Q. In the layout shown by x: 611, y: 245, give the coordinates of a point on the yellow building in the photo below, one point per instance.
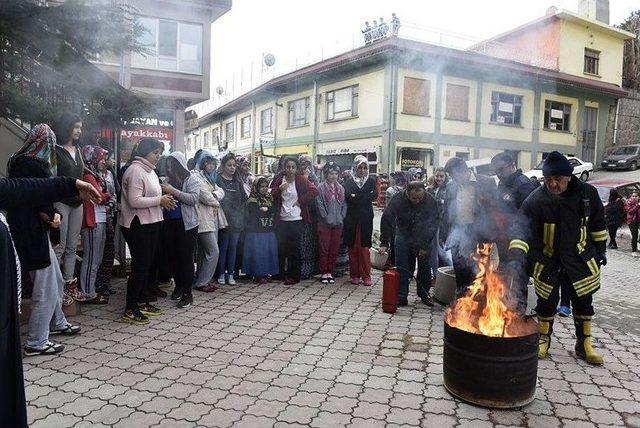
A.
x: 404, y: 103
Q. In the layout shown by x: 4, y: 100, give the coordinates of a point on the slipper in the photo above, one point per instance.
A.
x: 325, y: 280
x: 98, y: 300
x: 331, y: 280
x: 67, y: 330
x: 50, y: 348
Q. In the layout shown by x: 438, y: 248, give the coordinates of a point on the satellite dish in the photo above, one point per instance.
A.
x: 269, y: 60
x: 219, y: 90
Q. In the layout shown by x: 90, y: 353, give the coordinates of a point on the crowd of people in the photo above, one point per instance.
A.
x: 200, y: 223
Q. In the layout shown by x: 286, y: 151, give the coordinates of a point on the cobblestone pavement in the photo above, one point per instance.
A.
x: 313, y: 355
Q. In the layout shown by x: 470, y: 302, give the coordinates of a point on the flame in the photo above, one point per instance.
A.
x: 484, y: 308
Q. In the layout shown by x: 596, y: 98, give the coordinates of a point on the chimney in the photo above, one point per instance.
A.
x: 594, y: 9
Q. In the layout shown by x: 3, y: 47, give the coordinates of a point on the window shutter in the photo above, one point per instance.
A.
x: 457, y: 100
x: 416, y: 96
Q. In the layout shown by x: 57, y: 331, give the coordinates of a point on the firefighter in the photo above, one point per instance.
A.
x: 565, y: 241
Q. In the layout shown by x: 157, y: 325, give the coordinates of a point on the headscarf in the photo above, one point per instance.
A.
x: 201, y: 159
x: 40, y: 143
x: 329, y: 191
x: 312, y: 175
x: 357, y: 161
x: 92, y: 156
x: 256, y: 197
x: 401, y: 178
x: 413, y: 172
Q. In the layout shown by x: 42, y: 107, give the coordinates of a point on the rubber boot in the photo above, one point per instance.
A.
x: 584, y: 349
x: 546, y: 328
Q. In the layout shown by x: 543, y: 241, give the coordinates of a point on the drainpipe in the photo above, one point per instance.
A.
x: 315, y: 122
x: 615, y: 123
x: 392, y: 114
x: 253, y: 136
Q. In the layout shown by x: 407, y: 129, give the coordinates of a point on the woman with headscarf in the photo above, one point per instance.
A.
x: 292, y: 194
x: 30, y: 229
x: 94, y: 225
x: 209, y: 213
x: 244, y: 174
x: 342, y: 259
x: 260, y: 255
x: 140, y: 219
x: 309, y: 249
x: 360, y: 192
x: 332, y: 208
x: 68, y: 131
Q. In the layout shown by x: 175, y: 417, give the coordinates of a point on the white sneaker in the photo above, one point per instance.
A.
x: 230, y: 280
x: 635, y: 254
x: 221, y: 280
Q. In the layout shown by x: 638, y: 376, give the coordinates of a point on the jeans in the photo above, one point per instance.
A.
x: 70, y: 226
x: 182, y: 242
x: 329, y: 239
x: 289, y: 235
x: 142, y: 240
x: 581, y: 305
x: 633, y: 227
x: 105, y: 271
x: 405, y: 253
x: 208, y: 253
x: 92, y: 250
x: 228, y: 243
x: 46, y: 302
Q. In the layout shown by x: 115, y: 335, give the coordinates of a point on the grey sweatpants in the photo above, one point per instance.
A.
x: 92, y: 251
x: 46, y: 303
x: 208, y: 253
x: 70, y: 226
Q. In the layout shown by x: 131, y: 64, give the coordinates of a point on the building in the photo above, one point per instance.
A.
x: 174, y: 73
x: 405, y: 103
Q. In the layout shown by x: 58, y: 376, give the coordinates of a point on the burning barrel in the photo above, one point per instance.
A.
x: 490, y: 350
x: 489, y: 371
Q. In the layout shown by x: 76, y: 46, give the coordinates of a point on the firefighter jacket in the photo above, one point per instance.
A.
x: 563, y: 233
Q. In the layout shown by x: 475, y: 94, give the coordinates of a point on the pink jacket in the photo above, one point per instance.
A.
x: 632, y: 208
x: 141, y: 194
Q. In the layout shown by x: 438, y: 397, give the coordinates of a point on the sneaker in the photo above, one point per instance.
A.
x: 185, y: 302
x: 176, y: 294
x: 71, y: 288
x: 50, y: 348
x: 221, y: 280
x: 427, y: 300
x: 331, y: 280
x: 67, y: 300
x: 209, y: 288
x: 635, y: 254
x: 231, y: 280
x: 135, y: 317
x: 367, y: 282
x: 402, y: 301
x: 150, y: 310
x: 67, y: 330
x: 564, y: 311
x: 156, y: 291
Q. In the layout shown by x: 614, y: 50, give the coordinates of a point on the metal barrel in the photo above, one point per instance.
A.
x: 496, y: 372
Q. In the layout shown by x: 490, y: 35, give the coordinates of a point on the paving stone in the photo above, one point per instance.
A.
x: 160, y: 404
x: 327, y: 419
x: 220, y: 418
x: 267, y: 408
x: 371, y: 410
x: 404, y: 416
x: 431, y: 420
x: 366, y: 423
x: 56, y: 420
x: 82, y: 406
x: 108, y: 414
x: 236, y: 402
x: 297, y: 414
x: 55, y: 400
x: 132, y: 398
x: 139, y: 419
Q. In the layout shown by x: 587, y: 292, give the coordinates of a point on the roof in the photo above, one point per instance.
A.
x: 395, y: 44
x: 555, y: 15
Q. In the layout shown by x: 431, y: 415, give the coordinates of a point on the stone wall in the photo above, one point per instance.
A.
x: 628, y: 121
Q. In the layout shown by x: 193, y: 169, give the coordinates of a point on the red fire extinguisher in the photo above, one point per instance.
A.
x: 390, y: 290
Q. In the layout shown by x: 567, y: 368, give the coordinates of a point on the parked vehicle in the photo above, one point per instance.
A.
x: 624, y: 157
x: 624, y: 187
x: 581, y: 169
x: 483, y: 167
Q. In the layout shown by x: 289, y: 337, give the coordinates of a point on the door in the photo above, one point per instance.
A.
x: 589, y: 126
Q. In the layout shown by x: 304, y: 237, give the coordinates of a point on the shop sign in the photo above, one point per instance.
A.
x: 347, y: 151
x: 412, y: 158
x: 135, y: 134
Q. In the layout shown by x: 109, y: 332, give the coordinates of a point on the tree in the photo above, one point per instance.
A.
x: 45, y: 49
x: 631, y: 64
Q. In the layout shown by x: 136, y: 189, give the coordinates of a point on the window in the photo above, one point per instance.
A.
x: 245, y: 127
x: 463, y: 155
x: 556, y: 115
x: 298, y: 112
x: 265, y: 121
x: 457, y: 107
x: 195, y: 142
x: 506, y: 108
x: 229, y: 131
x: 215, y: 137
x: 342, y: 103
x: 416, y: 96
x: 574, y: 163
x: 591, y: 61
x: 207, y: 141
x: 170, y: 45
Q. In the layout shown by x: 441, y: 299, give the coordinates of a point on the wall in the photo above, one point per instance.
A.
x: 575, y: 38
x: 628, y: 121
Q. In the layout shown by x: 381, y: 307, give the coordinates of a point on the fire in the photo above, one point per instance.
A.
x: 484, y: 309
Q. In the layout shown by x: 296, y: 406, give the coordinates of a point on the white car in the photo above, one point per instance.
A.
x: 581, y: 169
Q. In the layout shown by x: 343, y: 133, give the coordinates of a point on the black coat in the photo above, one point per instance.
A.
x: 27, y: 228
x: 513, y: 190
x: 417, y: 223
x: 18, y: 194
x: 614, y: 213
x: 359, y: 211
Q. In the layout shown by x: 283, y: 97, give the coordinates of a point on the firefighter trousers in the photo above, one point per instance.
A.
x: 581, y: 305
